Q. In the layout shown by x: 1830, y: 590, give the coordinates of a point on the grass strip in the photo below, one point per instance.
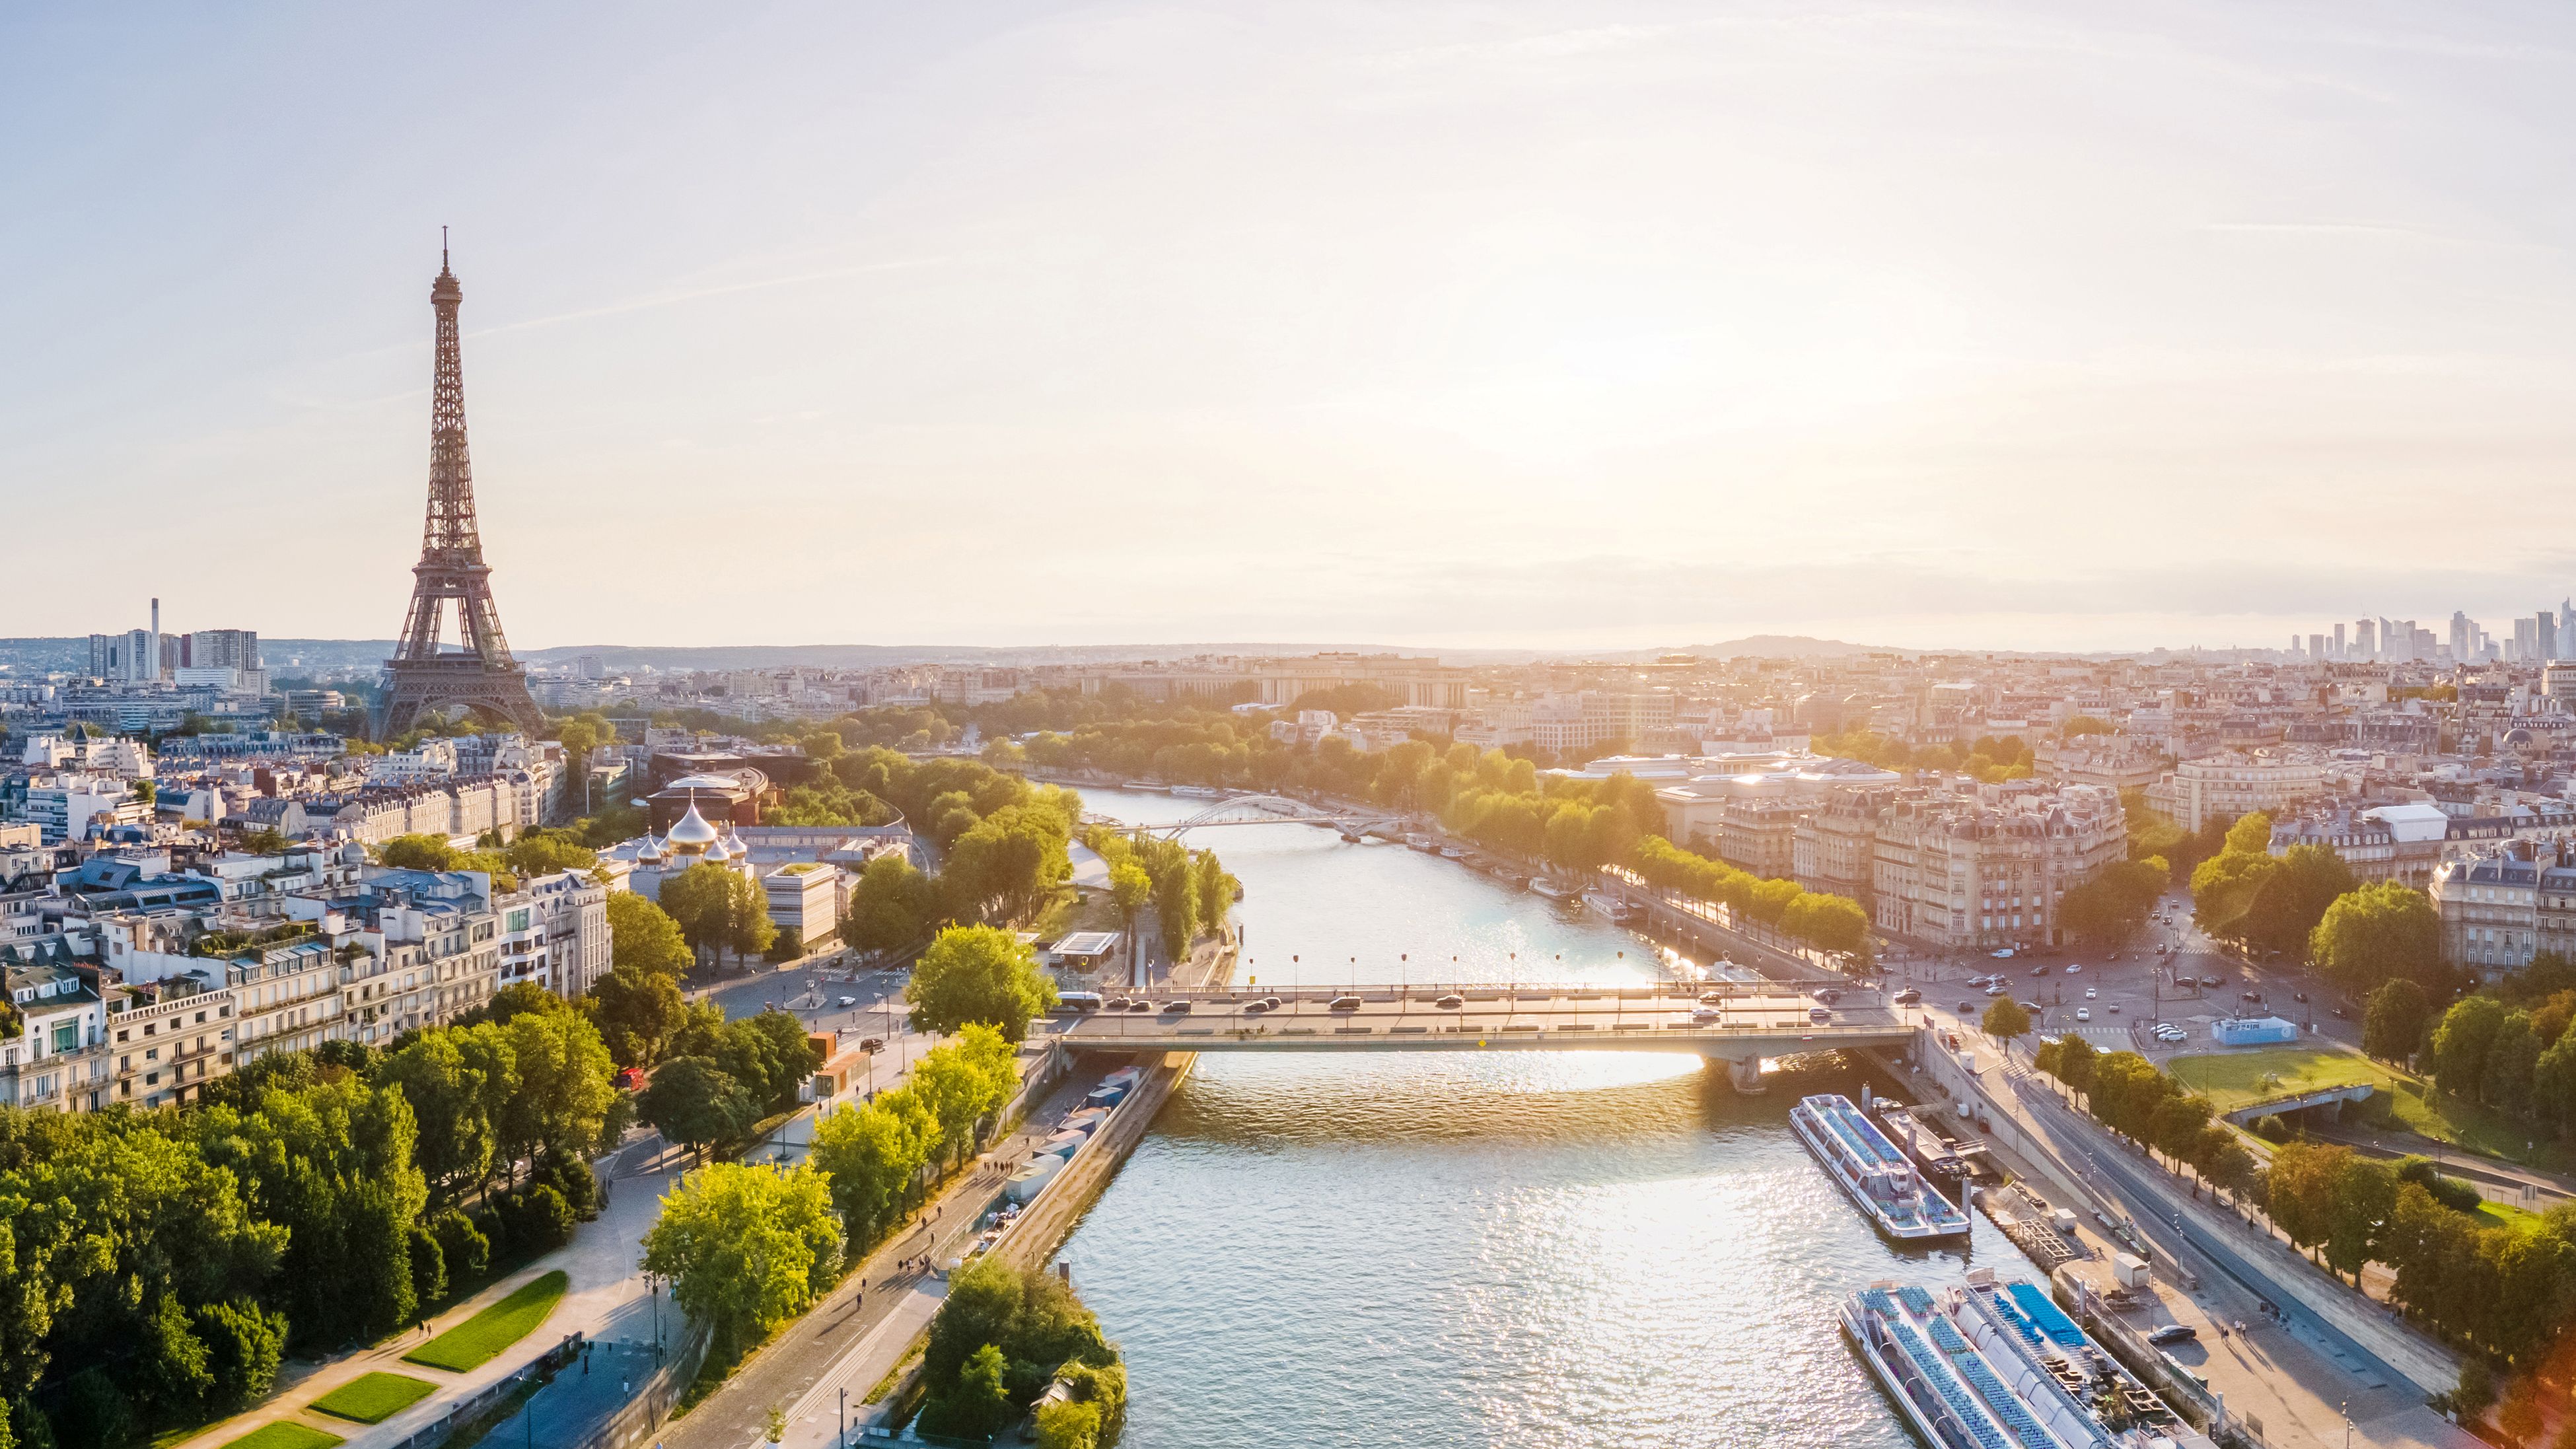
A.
x: 374, y: 1398
x: 285, y: 1435
x: 474, y: 1342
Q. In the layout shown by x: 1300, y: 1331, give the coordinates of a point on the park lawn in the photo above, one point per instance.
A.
x: 285, y: 1435
x: 2505, y: 1215
x: 374, y: 1398
x: 2235, y: 1079
x: 477, y: 1339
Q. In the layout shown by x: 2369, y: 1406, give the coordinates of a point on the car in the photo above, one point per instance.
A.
x: 1344, y: 1003
x: 2074, y: 968
x: 2039, y: 970
x: 1271, y: 1003
x: 2253, y: 996
x: 2339, y: 1011
x: 1255, y: 1008
x: 2300, y: 997
x: 2162, y: 948
x: 849, y: 1001
x: 1176, y: 1008
x: 1995, y: 990
x: 1116, y: 1003
x: 872, y: 1044
x: 1829, y: 996
x: 1908, y: 997
x: 1967, y: 1008
x: 1706, y: 1013
x: 2033, y: 1007
x: 2174, y: 1333
x: 1451, y: 1002
x: 2088, y: 993
x: 1140, y: 1004
x: 2113, y: 1008
x: 2005, y: 954
x: 2114, y: 956
x: 2211, y: 981
x: 1819, y: 1015
x: 2083, y: 1013
x: 1712, y: 996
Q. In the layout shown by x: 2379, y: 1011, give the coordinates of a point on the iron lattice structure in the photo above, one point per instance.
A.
x: 422, y: 676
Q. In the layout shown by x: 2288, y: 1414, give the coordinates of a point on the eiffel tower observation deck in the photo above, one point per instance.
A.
x: 424, y: 676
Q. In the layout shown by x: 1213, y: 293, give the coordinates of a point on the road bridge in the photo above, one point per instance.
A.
x: 1741, y: 1023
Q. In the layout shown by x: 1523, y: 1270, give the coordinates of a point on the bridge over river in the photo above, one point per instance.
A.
x: 1741, y: 1023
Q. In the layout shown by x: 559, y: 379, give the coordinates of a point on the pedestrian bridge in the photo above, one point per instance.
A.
x: 1279, y: 810
x: 1741, y: 1023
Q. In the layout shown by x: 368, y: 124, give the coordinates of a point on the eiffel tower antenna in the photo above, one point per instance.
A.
x: 422, y: 676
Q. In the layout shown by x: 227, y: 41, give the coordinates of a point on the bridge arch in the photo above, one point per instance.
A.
x: 1275, y: 810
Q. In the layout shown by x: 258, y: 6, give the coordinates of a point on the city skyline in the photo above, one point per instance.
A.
x: 1980, y: 326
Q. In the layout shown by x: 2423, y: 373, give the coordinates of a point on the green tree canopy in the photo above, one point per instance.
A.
x: 2377, y: 933
x: 892, y: 905
x: 697, y: 1104
x: 643, y: 937
x: 978, y: 974
x: 2392, y: 1028
x: 2005, y: 1020
x: 746, y: 1247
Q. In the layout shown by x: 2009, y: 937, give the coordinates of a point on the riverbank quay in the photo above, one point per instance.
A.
x: 2274, y: 1383
x: 2311, y: 1350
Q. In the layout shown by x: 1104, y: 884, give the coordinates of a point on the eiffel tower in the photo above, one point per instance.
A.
x: 481, y: 676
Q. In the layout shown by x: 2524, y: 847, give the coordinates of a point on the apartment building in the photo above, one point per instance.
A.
x: 1985, y: 866
x: 2225, y: 786
x: 2502, y: 905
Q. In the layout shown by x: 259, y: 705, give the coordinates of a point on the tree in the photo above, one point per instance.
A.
x: 636, y: 1011
x: 548, y: 852
x: 2378, y: 933
x: 978, y: 974
x: 451, y: 1098
x: 561, y: 1109
x: 2299, y: 1191
x: 2461, y: 1041
x: 962, y: 1082
x: 746, y: 1247
x: 696, y: 1104
x: 1129, y: 890
x: 891, y: 906
x: 2511, y: 1058
x: 873, y: 1152
x: 718, y: 908
x: 2392, y: 1028
x: 2005, y: 1020
x: 1066, y: 1424
x: 2112, y: 906
x: 643, y: 937
x: 1215, y: 889
x: 976, y: 1405
x: 2290, y: 899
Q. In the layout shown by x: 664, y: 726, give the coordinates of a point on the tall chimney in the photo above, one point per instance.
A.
x: 156, y: 618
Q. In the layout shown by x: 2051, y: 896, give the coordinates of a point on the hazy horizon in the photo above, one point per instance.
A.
x: 1548, y: 326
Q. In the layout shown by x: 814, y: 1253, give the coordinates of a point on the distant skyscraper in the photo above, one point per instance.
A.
x: 2544, y: 635
x: 2338, y: 641
x: 2317, y: 648
x: 2464, y: 636
x: 2365, y: 639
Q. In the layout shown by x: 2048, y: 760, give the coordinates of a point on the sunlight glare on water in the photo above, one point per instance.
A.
x: 1571, y: 1249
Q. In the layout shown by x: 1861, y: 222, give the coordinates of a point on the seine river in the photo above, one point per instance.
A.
x: 1537, y: 1249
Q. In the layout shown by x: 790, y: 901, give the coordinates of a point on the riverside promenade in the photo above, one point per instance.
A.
x: 820, y: 1369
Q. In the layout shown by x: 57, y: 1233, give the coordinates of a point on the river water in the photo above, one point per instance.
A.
x: 1546, y: 1249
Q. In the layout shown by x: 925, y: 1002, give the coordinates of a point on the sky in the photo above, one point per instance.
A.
x: 1563, y: 325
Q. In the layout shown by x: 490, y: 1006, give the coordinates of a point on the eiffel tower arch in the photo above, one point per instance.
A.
x: 423, y: 675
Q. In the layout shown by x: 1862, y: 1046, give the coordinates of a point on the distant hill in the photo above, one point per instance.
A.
x: 1788, y: 646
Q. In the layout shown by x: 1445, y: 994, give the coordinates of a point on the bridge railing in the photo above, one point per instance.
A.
x: 1377, y: 993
